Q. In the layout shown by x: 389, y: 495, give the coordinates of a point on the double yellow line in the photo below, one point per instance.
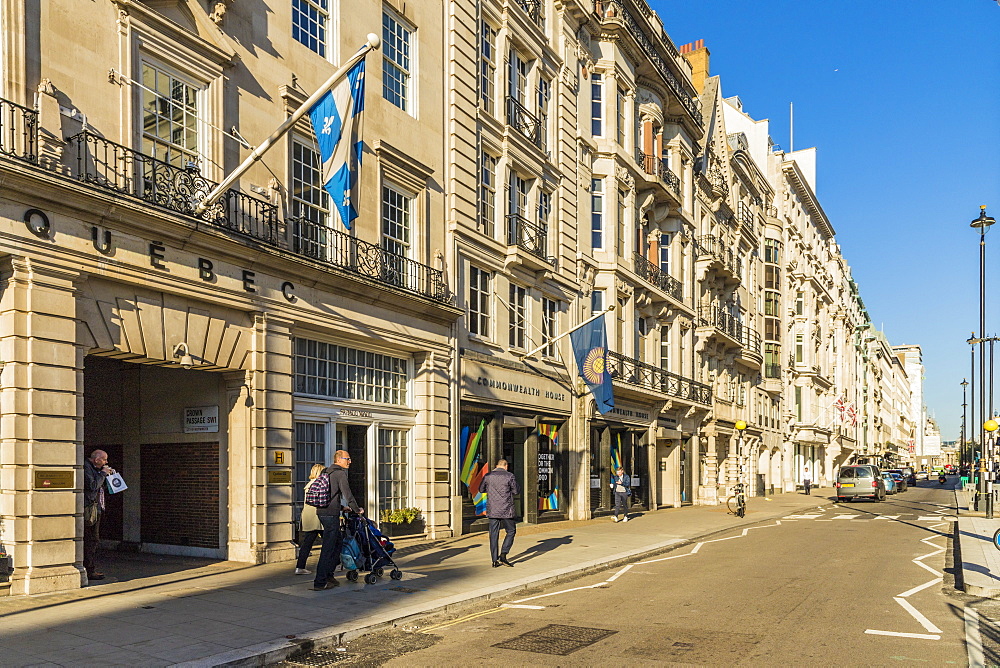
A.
x: 459, y: 620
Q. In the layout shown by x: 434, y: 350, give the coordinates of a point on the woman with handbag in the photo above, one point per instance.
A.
x: 621, y: 486
x: 311, y: 528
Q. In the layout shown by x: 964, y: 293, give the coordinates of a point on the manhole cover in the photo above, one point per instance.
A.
x: 318, y: 658
x: 557, y: 639
x: 405, y: 590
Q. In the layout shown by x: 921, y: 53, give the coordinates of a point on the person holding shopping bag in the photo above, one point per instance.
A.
x: 621, y: 486
x: 311, y: 528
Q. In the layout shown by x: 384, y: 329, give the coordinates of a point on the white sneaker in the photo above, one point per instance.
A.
x: 614, y: 518
x: 302, y: 571
x: 626, y: 519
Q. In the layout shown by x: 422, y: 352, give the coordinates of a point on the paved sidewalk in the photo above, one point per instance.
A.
x: 227, y: 613
x: 980, y: 558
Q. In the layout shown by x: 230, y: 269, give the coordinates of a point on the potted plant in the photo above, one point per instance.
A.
x: 401, y: 522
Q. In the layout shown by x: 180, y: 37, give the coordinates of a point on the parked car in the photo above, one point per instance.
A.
x: 890, y: 483
x: 923, y: 475
x: 900, y: 480
x: 860, y: 481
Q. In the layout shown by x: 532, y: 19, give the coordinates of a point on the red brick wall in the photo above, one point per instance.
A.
x: 180, y: 494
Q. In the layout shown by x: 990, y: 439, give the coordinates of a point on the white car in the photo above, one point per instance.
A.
x: 922, y: 475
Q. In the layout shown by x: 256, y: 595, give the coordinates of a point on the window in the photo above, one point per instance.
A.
x: 328, y: 370
x: 393, y: 471
x: 772, y: 251
x: 549, y: 310
x: 310, y: 449
x: 518, y: 316
x: 544, y: 95
x: 544, y: 212
x: 596, y: 104
x: 488, y: 194
x: 597, y: 301
x: 621, y: 117
x: 517, y: 83
x: 798, y: 404
x: 310, y: 200
x: 397, y: 57
x: 488, y: 67
x: 665, y: 254
x: 621, y: 223
x: 665, y: 348
x: 799, y: 303
x: 169, y: 118
x: 772, y: 303
x: 396, y: 208
x: 798, y: 348
x: 517, y: 201
x: 479, y: 302
x: 597, y: 213
x: 310, y: 21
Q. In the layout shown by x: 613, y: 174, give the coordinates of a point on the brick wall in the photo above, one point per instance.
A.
x: 180, y: 494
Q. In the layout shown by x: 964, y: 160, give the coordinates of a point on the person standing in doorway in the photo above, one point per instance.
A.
x: 621, y: 485
x: 95, y: 472
x: 806, y: 481
x: 310, y: 527
x: 329, y: 519
x: 500, y: 486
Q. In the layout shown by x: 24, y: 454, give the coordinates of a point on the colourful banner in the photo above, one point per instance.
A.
x: 550, y: 502
x: 616, y: 458
x: 549, y: 430
x: 469, y: 449
x: 479, y: 498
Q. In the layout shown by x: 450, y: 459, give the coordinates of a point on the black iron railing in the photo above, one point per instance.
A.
x: 110, y: 166
x: 614, y: 10
x: 338, y: 249
x: 522, y: 120
x: 649, y: 163
x: 751, y: 339
x: 634, y: 372
x: 669, y: 178
x: 528, y: 236
x: 710, y: 245
x: 772, y: 371
x: 658, y: 277
x: 745, y: 214
x: 727, y: 323
x: 18, y: 132
x: 533, y: 8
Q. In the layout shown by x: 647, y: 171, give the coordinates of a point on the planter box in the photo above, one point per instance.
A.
x: 415, y: 528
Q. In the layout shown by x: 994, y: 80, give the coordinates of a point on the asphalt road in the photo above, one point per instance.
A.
x: 852, y: 584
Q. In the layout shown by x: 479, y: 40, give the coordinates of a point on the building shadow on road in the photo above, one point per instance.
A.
x: 543, y: 546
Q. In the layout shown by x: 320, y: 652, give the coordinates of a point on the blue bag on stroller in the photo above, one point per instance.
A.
x: 374, y: 550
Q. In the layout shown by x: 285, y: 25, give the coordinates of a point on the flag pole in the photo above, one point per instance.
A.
x: 373, y: 43
x: 567, y: 333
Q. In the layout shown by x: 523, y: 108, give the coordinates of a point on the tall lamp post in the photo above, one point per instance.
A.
x: 983, y: 222
x: 741, y: 427
x: 966, y: 457
x: 990, y: 426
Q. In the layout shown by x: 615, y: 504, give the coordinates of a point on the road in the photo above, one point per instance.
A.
x: 850, y: 584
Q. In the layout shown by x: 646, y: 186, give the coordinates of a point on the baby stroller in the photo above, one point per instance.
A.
x: 374, y: 550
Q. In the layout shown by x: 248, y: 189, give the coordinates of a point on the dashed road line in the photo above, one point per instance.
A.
x: 973, y: 639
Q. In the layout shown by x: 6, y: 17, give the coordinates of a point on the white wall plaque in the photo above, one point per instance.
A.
x: 201, y: 419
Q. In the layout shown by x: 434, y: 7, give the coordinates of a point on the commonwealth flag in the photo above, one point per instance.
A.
x: 590, y: 347
x: 336, y: 120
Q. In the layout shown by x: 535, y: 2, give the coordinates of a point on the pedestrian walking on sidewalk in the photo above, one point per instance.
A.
x: 95, y: 472
x: 309, y: 527
x: 329, y: 519
x: 621, y: 486
x: 806, y: 480
x: 500, y: 486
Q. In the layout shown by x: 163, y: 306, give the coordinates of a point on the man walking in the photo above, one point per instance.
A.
x: 806, y: 481
x: 500, y: 486
x: 329, y: 517
x: 95, y: 472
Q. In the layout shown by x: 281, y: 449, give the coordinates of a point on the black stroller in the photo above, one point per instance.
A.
x: 374, y: 550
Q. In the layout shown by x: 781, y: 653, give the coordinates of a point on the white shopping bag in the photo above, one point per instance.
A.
x: 115, y: 483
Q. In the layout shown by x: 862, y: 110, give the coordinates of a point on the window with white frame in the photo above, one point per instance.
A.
x: 169, y: 117
x: 597, y: 213
x: 517, y: 195
x: 397, y: 61
x: 310, y: 201
x: 597, y: 301
x: 518, y: 307
x: 544, y: 213
x: 311, y: 24
x: 397, y: 208
x: 517, y: 77
x: 488, y: 67
x: 488, y: 194
x: 597, y: 104
x: 665, y: 254
x: 622, y: 100
x: 393, y: 469
x: 550, y: 310
x: 480, y: 290
x: 542, y: 111
x: 622, y: 222
x: 310, y: 449
x: 328, y: 370
x: 665, y: 347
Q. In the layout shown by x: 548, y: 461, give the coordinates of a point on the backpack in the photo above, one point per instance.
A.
x: 318, y: 492
x: 350, y: 555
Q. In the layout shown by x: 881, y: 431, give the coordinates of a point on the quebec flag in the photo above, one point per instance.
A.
x: 336, y: 120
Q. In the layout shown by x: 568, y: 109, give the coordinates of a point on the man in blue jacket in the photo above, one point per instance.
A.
x: 329, y: 517
x: 500, y: 486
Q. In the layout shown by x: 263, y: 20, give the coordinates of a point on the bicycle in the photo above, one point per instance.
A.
x: 737, y: 503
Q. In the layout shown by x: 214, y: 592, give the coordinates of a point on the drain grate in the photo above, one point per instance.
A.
x: 557, y: 639
x: 318, y: 658
x: 405, y: 590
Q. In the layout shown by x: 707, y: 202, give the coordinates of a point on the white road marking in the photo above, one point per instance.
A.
x: 523, y: 607
x: 846, y: 517
x: 973, y: 639
x: 888, y: 517
x: 932, y: 518
x: 928, y: 568
x: 653, y: 561
x: 620, y: 573
x: 917, y: 615
x: 920, y: 636
x: 930, y: 554
x: 802, y: 517
x: 564, y: 591
x: 925, y: 585
x: 696, y: 548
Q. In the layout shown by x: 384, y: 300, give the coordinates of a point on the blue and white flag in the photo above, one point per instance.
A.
x: 336, y: 120
x: 590, y: 347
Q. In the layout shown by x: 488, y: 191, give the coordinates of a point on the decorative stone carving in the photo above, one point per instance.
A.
x: 123, y: 21
x: 624, y: 177
x: 219, y: 11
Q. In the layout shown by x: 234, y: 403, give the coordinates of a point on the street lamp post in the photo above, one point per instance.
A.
x: 741, y: 427
x: 990, y: 426
x: 983, y: 223
x: 966, y: 458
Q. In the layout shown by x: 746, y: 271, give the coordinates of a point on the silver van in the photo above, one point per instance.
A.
x: 860, y: 480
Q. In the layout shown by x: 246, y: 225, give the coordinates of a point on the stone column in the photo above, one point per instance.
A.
x: 431, y: 444
x: 239, y: 404
x: 41, y: 404
x: 710, y: 491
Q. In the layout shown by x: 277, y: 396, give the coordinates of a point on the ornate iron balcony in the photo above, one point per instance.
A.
x: 658, y: 277
x: 712, y: 246
x: 18, y: 132
x: 668, y: 177
x: 751, y: 339
x: 527, y: 236
x: 341, y: 250
x: 728, y: 324
x: 110, y: 166
x: 649, y: 163
x: 614, y: 10
x: 533, y: 8
x: 522, y: 120
x: 632, y: 371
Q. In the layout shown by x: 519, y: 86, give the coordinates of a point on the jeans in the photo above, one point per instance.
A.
x: 91, y: 539
x: 329, y: 555
x: 305, y: 547
x: 621, y: 503
x: 510, y: 528
x: 806, y: 484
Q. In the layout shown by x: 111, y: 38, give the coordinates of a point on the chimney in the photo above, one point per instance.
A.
x: 697, y: 56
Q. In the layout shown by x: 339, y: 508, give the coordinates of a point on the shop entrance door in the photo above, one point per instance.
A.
x: 354, y: 439
x: 514, y: 450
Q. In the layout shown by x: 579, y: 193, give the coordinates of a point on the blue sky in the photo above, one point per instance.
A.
x: 902, y: 100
